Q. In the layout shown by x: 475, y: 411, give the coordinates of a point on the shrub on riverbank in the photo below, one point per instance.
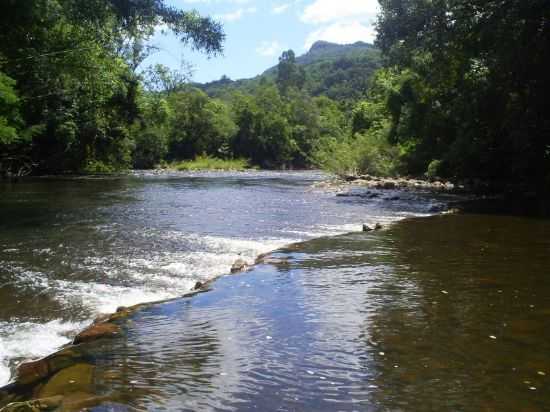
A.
x: 211, y: 163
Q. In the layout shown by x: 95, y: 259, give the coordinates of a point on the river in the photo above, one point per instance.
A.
x: 71, y: 248
x: 433, y: 313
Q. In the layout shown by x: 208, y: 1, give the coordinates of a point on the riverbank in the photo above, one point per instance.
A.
x: 357, y: 321
x: 473, y: 197
x: 344, y: 183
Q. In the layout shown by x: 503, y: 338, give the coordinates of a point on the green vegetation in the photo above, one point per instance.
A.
x: 69, y: 87
x: 454, y: 89
x: 211, y: 163
x: 468, y: 88
x: 74, y: 97
x: 340, y: 72
x: 274, y: 123
x: 462, y: 96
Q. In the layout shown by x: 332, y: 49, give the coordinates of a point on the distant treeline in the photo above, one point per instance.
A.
x: 273, y: 124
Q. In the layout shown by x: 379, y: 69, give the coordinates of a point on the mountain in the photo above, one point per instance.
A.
x: 341, y: 72
x: 325, y: 51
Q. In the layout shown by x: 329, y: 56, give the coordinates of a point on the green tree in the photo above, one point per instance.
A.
x: 150, y: 133
x: 264, y: 133
x: 473, y: 89
x: 289, y: 74
x: 10, y: 120
x: 199, y: 125
x: 74, y: 63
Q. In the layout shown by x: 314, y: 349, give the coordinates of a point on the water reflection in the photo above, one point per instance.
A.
x: 71, y: 248
x: 445, y: 313
x: 475, y: 337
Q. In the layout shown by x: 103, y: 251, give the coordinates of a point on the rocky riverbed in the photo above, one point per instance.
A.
x: 341, y: 184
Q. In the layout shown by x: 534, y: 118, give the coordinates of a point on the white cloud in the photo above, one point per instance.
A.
x: 236, y: 15
x: 325, y: 11
x: 342, y: 33
x: 269, y: 48
x: 343, y: 22
x: 280, y: 8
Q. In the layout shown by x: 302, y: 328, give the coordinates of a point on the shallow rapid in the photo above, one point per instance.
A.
x: 443, y: 313
x: 71, y: 248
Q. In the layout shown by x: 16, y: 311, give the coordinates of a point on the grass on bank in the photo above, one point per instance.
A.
x: 211, y: 163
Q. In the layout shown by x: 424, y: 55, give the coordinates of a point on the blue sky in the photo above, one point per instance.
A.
x: 259, y: 30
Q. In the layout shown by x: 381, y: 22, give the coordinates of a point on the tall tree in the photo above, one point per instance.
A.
x: 289, y: 74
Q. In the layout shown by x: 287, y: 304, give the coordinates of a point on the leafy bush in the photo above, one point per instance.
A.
x: 368, y: 150
x: 97, y: 167
x: 337, y: 156
x: 204, y: 162
x: 433, y: 169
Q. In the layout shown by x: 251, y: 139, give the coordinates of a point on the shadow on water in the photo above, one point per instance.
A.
x: 474, y: 335
x: 443, y: 313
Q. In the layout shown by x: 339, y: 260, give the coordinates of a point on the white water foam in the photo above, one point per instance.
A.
x: 158, y: 277
x: 334, y: 230
x: 102, y: 298
x: 161, y: 277
x: 32, y: 340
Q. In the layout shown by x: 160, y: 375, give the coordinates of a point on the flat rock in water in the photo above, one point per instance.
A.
x: 97, y: 331
x: 31, y: 372
x: 77, y: 378
x: 239, y: 266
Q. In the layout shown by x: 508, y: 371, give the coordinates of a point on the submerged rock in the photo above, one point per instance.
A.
x: 7, y: 398
x: 97, y: 331
x: 80, y: 401
x: 77, y: 401
x: 77, y: 378
x: 268, y: 259
x: 45, y: 404
x: 240, y: 265
x: 31, y: 372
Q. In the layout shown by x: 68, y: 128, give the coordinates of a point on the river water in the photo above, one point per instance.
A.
x: 445, y: 313
x: 434, y: 312
x: 71, y: 248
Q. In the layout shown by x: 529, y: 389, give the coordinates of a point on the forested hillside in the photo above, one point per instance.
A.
x: 340, y: 72
x: 75, y: 97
